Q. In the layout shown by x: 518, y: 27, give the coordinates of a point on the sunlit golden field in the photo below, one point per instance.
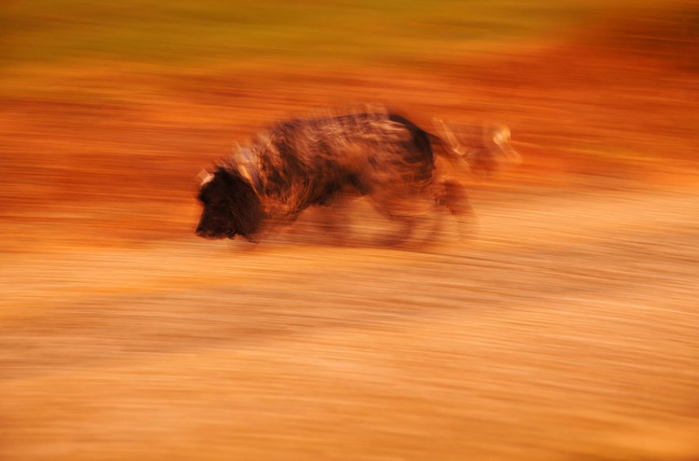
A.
x: 565, y: 327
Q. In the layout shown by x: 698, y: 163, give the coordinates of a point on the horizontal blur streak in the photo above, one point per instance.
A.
x: 563, y: 326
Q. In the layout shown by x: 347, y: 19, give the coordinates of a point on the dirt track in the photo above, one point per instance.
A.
x: 565, y: 329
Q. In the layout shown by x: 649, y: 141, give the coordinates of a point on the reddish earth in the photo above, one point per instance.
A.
x: 566, y: 327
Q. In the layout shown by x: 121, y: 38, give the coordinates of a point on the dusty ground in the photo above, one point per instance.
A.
x: 566, y: 327
x: 568, y: 330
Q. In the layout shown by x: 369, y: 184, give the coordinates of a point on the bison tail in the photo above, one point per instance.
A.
x: 448, y: 145
x: 478, y: 149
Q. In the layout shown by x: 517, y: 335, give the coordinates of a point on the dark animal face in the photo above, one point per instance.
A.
x: 231, y: 206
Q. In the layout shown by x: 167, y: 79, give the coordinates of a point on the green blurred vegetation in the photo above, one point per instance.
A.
x: 166, y: 31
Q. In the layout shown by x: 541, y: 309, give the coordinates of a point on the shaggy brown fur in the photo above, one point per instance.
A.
x: 304, y: 162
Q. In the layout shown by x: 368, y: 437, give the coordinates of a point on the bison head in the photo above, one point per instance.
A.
x: 231, y: 206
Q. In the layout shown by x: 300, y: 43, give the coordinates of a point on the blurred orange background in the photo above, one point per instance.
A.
x: 566, y: 329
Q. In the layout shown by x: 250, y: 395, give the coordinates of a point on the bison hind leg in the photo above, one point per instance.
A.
x: 417, y: 217
x: 452, y: 195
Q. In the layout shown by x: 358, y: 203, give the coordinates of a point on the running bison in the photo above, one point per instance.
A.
x: 383, y: 156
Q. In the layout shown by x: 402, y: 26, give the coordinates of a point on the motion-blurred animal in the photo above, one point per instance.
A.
x: 300, y: 163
